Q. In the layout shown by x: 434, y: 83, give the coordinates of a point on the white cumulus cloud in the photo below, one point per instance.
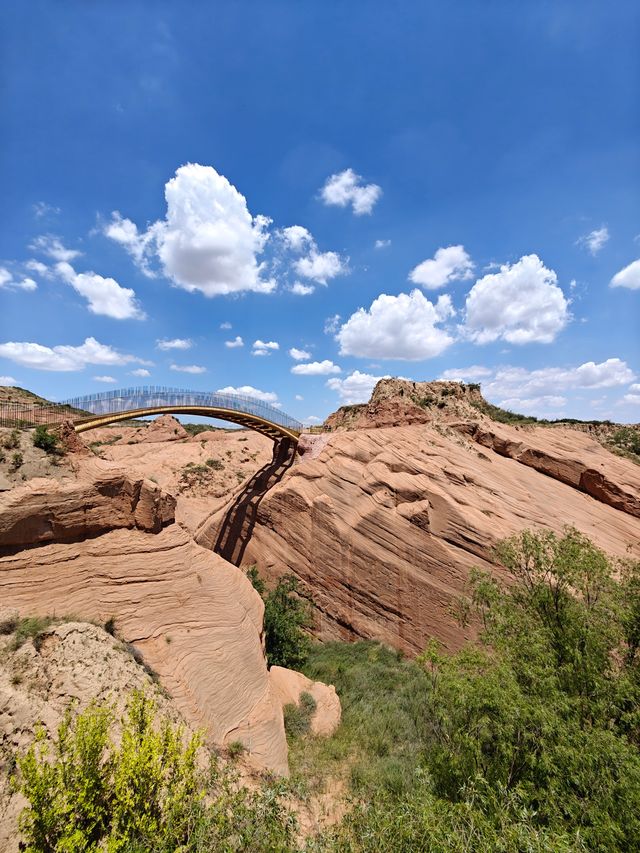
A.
x: 297, y: 238
x: 236, y: 342
x: 188, y: 368
x: 628, y: 277
x: 208, y: 242
x: 264, y: 347
x: 316, y: 368
x: 346, y: 188
x: 250, y: 391
x: 521, y: 304
x: 466, y: 374
x: 301, y: 289
x: 321, y: 266
x: 403, y: 327
x: 104, y: 295
x: 7, y: 280
x: 7, y: 380
x: 63, y: 357
x: 52, y: 246
x: 174, y: 343
x: 595, y: 240
x: 448, y: 264
x: 355, y: 388
x: 141, y: 371
x: 382, y: 244
x: 110, y: 380
x: 299, y: 354
x: 508, y: 383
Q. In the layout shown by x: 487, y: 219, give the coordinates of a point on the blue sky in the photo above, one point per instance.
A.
x: 464, y: 181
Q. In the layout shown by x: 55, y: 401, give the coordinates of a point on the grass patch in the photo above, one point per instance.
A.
x: 383, y: 698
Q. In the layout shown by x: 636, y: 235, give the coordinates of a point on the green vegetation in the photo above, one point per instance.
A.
x: 143, y: 792
x: 196, y: 429
x: 526, y: 742
x: 215, y: 464
x: 627, y: 440
x: 17, y: 460
x: 46, y: 440
x: 297, y: 718
x: 286, y: 616
x: 12, y: 440
x: 503, y: 416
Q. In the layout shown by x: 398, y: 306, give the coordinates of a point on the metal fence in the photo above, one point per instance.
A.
x: 20, y: 415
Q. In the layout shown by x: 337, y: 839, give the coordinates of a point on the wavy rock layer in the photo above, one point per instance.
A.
x: 44, y: 510
x: 195, y: 618
x: 385, y: 524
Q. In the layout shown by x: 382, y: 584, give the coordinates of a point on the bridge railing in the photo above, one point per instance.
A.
x: 127, y: 399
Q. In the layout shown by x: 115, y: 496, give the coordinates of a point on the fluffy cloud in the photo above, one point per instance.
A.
x: 38, y: 267
x: 595, y: 240
x: 250, y: 391
x: 301, y: 289
x: 551, y: 405
x: 401, y: 327
x: 7, y: 380
x: 466, y: 374
x: 226, y: 325
x: 236, y: 342
x: 521, y: 304
x: 7, y: 280
x: 355, y: 388
x: 299, y: 354
x: 110, y: 380
x: 382, y: 244
x: 316, y: 368
x: 346, y: 188
x: 321, y: 266
x: 628, y: 277
x: 104, y: 295
x: 448, y: 264
x: 509, y: 383
x: 208, y: 241
x: 264, y: 347
x: 52, y: 246
x: 188, y: 368
x: 138, y: 245
x: 297, y: 238
x: 63, y: 358
x: 174, y: 343
x: 141, y: 371
x: 634, y: 399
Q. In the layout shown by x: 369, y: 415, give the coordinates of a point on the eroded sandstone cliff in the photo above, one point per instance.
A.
x: 382, y: 525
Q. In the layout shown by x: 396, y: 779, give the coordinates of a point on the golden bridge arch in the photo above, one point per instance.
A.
x: 96, y: 410
x: 130, y: 403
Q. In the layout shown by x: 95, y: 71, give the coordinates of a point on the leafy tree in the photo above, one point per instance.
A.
x: 286, y: 616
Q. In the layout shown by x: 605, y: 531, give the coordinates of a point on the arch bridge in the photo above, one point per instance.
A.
x: 108, y: 407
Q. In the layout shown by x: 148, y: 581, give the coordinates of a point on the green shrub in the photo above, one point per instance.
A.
x: 286, y: 615
x: 145, y: 793
x: 297, y: 717
x: 45, y: 440
x: 215, y: 464
x: 235, y: 748
x: 29, y: 628
x: 12, y: 440
x: 17, y: 460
